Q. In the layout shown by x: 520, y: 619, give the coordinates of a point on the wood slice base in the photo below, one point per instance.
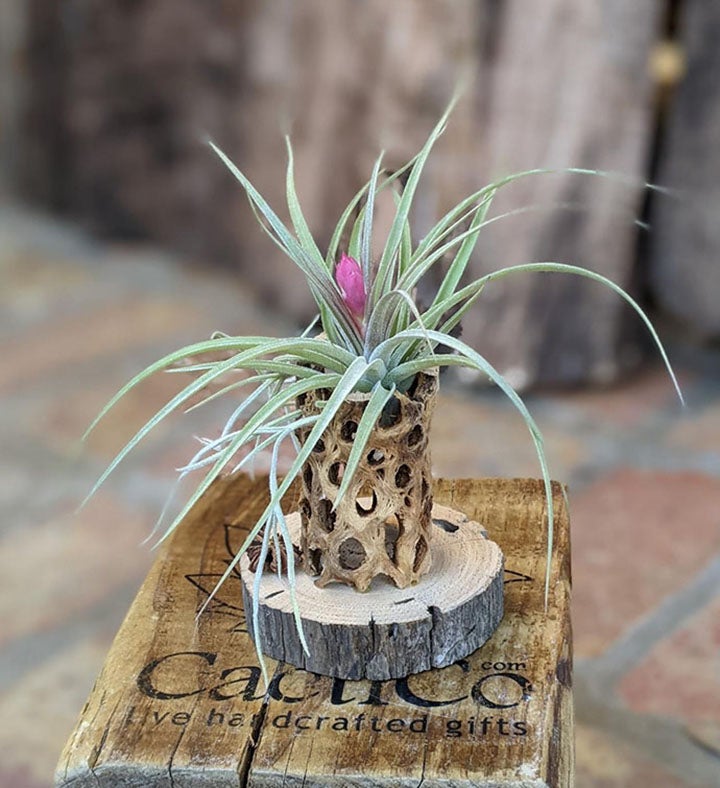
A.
x: 388, y: 632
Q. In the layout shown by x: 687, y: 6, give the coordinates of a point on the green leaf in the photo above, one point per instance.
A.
x: 321, y: 284
x: 386, y: 316
x: 317, y: 351
x: 474, y: 288
x: 280, y: 518
x: 211, y: 449
x: 406, y: 371
x: 198, y: 461
x: 382, y: 319
x: 405, y: 259
x: 256, y: 601
x: 241, y: 360
x: 419, y: 267
x: 210, y: 346
x: 296, y: 215
x: 365, y: 250
x: 462, y: 258
x: 384, y: 277
x: 264, y: 381
x: 247, y: 433
x: 351, y: 207
x: 354, y: 243
x: 465, y: 208
x: 344, y: 387
x: 478, y: 362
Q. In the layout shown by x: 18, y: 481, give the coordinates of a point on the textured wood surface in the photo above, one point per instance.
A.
x: 181, y: 703
x: 388, y: 632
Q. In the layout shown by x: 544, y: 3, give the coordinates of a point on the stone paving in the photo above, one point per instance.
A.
x: 78, y: 317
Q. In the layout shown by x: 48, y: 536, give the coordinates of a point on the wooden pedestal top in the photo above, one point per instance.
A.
x: 181, y: 702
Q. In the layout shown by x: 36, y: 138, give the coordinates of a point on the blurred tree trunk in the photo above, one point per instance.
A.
x: 13, y: 90
x: 684, y: 262
x: 555, y: 84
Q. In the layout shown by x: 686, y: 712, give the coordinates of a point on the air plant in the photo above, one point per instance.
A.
x: 375, y: 338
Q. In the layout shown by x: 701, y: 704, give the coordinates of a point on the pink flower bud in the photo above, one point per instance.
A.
x: 348, y: 275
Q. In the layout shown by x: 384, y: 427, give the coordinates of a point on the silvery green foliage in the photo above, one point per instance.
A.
x: 377, y: 352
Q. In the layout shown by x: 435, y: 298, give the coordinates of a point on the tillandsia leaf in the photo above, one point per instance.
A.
x: 197, y: 462
x: 405, y: 253
x: 351, y: 207
x: 451, y: 222
x: 296, y: 215
x: 462, y: 299
x: 248, y: 432
x: 285, y: 531
x: 465, y: 208
x: 264, y: 380
x: 343, y: 388
x: 168, y: 408
x: 458, y: 266
x: 340, y: 229
x: 388, y: 315
x: 262, y: 445
x: 278, y: 428
x: 277, y: 520
x: 382, y: 319
x: 454, y: 215
x: 288, y: 367
x: 354, y: 242
x: 256, y: 601
x: 332, y: 329
x: 292, y: 583
x: 420, y: 267
x: 478, y: 362
x: 404, y: 373
x: 367, y: 225
x: 211, y: 449
x: 293, y: 248
x: 384, y: 276
x: 321, y: 284
x: 317, y: 351
x: 245, y: 359
x: 336, y: 332
x: 229, y: 431
x: 209, y: 346
x: 452, y: 278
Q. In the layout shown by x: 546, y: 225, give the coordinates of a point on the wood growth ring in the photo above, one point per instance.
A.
x: 387, y: 632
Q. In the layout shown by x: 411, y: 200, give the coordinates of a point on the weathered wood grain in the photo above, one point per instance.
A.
x: 151, y: 711
x: 387, y: 632
x: 181, y: 703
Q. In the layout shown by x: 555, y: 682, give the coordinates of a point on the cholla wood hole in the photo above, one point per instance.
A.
x: 383, y: 524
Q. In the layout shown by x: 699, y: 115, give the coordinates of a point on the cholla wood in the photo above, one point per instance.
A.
x: 382, y: 526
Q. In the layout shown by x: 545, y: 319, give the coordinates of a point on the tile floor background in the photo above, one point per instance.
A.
x: 78, y: 317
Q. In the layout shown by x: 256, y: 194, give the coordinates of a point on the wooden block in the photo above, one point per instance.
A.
x: 180, y: 702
